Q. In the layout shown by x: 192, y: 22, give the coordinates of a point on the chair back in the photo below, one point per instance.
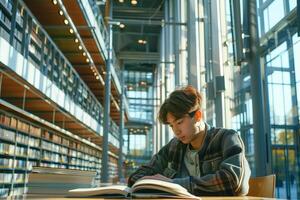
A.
x: 263, y: 186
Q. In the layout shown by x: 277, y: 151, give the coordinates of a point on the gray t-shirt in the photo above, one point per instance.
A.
x: 191, y: 161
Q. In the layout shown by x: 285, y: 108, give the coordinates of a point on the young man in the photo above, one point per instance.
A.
x: 204, y: 160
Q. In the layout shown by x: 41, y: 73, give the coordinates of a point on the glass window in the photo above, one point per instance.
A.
x: 287, y: 95
x: 278, y: 136
x: 279, y: 169
x: 290, y: 137
x: 278, y: 104
x: 293, y: 4
x: 275, y: 77
x: 266, y: 19
x: 296, y: 48
x: 271, y: 103
x: 273, y: 14
x: 278, y: 50
x: 292, y: 171
x: 296, y: 43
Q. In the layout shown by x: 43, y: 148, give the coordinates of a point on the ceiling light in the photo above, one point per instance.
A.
x: 61, y: 13
x: 140, y: 41
x: 122, y: 25
x: 87, y: 60
x: 97, y: 77
x: 54, y: 2
x: 76, y: 40
x: 66, y: 22
x: 84, y: 54
x: 144, y: 42
x: 133, y: 2
x: 121, y: 1
x: 71, y: 31
x: 143, y: 83
x: 80, y: 47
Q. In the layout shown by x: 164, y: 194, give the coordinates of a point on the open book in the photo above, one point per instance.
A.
x: 146, y: 188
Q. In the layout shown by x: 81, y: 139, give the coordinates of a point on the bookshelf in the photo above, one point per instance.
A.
x: 23, y: 144
x: 28, y: 136
x: 113, y: 167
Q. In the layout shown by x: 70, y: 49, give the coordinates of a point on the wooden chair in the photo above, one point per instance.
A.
x: 263, y: 186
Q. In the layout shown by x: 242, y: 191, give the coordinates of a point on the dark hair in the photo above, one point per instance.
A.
x: 180, y: 102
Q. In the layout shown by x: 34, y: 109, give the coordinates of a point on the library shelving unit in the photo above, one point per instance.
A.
x: 49, y: 116
x: 25, y: 144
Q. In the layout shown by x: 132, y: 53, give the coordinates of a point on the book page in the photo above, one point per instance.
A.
x: 163, y: 186
x: 107, y: 190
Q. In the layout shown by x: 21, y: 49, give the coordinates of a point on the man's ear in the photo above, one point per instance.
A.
x: 198, y: 115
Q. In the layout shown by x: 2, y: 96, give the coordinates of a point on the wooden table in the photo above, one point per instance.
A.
x: 202, y: 198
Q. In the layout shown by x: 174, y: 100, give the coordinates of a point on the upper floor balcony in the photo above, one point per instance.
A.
x: 48, y: 85
x: 79, y: 31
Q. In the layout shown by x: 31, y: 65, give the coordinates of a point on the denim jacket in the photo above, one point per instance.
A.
x: 223, y: 167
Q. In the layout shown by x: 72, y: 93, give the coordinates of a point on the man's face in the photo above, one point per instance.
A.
x: 183, y: 128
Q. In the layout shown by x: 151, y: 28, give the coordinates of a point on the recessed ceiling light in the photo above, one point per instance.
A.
x: 133, y: 2
x: 122, y: 25
x: 140, y: 41
x: 121, y: 1
x: 71, y: 31
x: 80, y: 47
x: 143, y: 83
x: 87, y: 60
x: 84, y: 54
x: 54, y: 2
x: 76, y: 40
x: 61, y: 13
x: 66, y: 21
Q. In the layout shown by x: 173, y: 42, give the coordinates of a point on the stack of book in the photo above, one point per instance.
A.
x: 46, y: 180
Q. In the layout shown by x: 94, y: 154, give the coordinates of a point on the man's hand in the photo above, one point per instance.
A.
x: 157, y: 177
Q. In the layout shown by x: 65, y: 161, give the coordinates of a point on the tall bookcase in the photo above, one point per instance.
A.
x: 24, y: 144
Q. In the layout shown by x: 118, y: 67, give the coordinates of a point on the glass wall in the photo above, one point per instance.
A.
x: 279, y: 50
x: 296, y: 48
x: 140, y: 98
x: 271, y: 12
x: 139, y: 94
x: 283, y: 117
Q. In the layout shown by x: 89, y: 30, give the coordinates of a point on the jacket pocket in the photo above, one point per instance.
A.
x: 212, y: 165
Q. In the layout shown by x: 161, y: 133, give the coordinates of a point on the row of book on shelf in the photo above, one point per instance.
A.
x: 24, y: 146
x: 38, y: 132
